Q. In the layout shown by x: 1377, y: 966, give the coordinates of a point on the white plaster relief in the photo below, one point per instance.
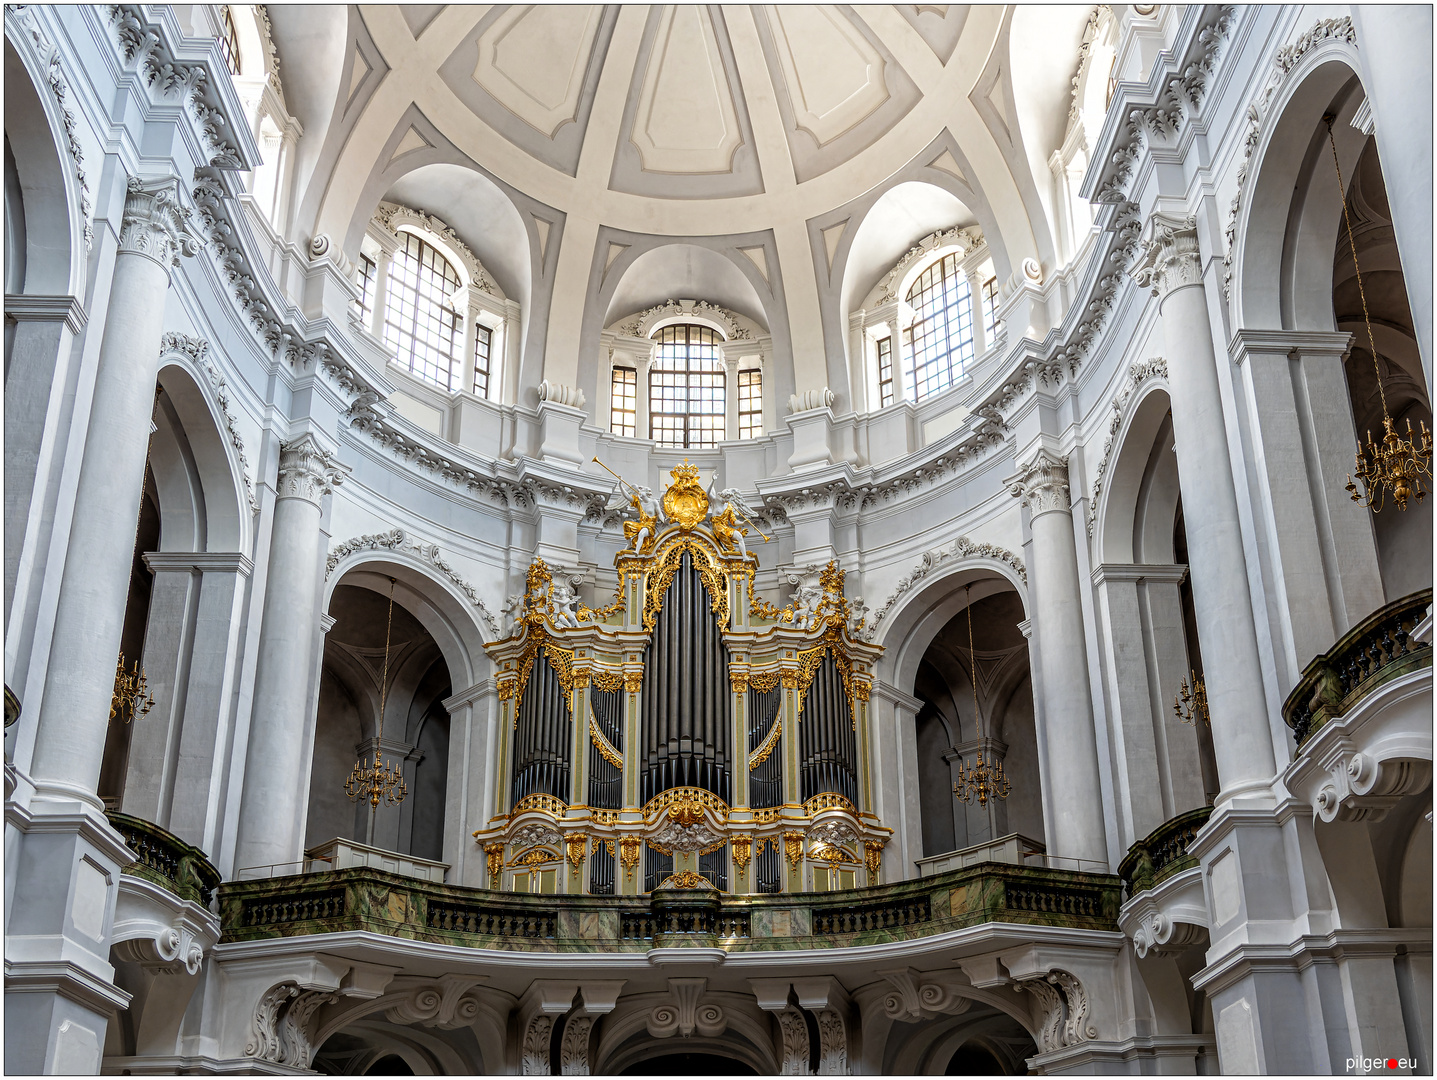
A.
x: 960, y: 548
x: 197, y: 349
x: 965, y: 238
x: 1282, y: 65
x: 393, y: 215
x: 1137, y: 374
x: 49, y: 57
x: 397, y: 540
x: 642, y: 324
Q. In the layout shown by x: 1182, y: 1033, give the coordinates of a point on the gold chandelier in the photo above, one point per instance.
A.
x: 1190, y: 705
x: 1397, y: 463
x: 979, y: 779
x: 379, y: 780
x: 131, y: 698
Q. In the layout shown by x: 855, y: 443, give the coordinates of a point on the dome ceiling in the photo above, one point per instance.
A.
x: 765, y: 133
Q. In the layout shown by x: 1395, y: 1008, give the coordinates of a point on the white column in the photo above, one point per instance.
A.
x: 730, y: 391
x: 862, y: 377
x: 1394, y: 47
x: 66, y: 861
x: 387, y: 246
x: 276, y: 778
x: 975, y: 291
x: 1072, y: 758
x: 80, y: 677
x: 1242, y: 738
x: 641, y: 394
x: 471, y: 307
x: 473, y: 774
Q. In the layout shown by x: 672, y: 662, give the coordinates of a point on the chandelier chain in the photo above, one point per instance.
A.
x: 1361, y: 292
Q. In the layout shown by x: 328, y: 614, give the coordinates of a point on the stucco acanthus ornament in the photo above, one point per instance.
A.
x: 156, y: 223
x: 642, y: 325
x: 687, y: 1012
x: 398, y: 540
x: 169, y: 78
x: 392, y: 216
x: 1140, y: 371
x: 960, y: 548
x: 1064, y: 1004
x: 966, y: 239
x: 1043, y: 484
x: 832, y: 1044
x: 197, y: 351
x: 307, y: 471
x: 1161, y: 936
x: 1170, y: 258
x: 447, y: 1002
x: 793, y: 1040
x: 280, y: 1028
x: 574, y: 1050
x: 535, y: 1051
x: 1340, y: 30
x: 49, y: 57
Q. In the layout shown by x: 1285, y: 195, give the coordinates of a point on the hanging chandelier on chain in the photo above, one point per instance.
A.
x: 1395, y: 465
x: 979, y: 779
x: 379, y: 780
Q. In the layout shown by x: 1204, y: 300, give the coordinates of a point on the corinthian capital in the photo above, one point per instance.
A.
x: 1170, y: 256
x: 1043, y: 484
x: 307, y: 471
x: 156, y: 222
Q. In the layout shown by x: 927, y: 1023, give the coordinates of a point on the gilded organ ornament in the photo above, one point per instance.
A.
x: 686, y: 680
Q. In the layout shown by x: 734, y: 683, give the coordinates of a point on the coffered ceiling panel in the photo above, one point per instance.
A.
x: 685, y: 130
x: 530, y: 72
x: 838, y: 87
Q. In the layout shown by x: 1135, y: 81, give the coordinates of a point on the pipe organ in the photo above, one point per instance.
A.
x: 686, y: 730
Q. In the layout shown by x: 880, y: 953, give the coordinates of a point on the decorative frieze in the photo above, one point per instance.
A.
x: 307, y: 471
x: 156, y: 223
x: 642, y: 325
x: 1137, y: 373
x: 397, y: 540
x: 197, y: 351
x: 1286, y: 59
x: 961, y: 548
x: 966, y: 239
x: 49, y: 57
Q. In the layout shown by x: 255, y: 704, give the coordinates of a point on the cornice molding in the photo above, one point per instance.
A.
x: 21, y: 307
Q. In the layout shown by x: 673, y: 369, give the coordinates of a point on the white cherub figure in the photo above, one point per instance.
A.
x: 565, y: 605
x: 858, y: 614
x: 512, y: 609
x: 806, y: 605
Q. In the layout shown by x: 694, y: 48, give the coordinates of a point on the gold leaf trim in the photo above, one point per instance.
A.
x: 603, y: 746
x: 765, y: 748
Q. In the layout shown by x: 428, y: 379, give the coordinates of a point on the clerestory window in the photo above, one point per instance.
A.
x: 686, y: 388
x: 939, y: 343
x: 229, y: 39
x: 420, y: 321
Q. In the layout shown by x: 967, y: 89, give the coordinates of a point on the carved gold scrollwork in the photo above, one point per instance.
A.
x: 603, y: 746
x: 765, y: 748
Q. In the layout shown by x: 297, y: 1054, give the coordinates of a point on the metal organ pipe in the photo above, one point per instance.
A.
x: 686, y: 729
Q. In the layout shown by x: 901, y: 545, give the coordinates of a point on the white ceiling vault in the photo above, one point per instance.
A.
x: 754, y: 155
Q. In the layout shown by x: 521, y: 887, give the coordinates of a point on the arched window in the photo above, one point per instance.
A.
x: 419, y: 316
x: 229, y: 39
x: 686, y: 388
x: 939, y: 344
